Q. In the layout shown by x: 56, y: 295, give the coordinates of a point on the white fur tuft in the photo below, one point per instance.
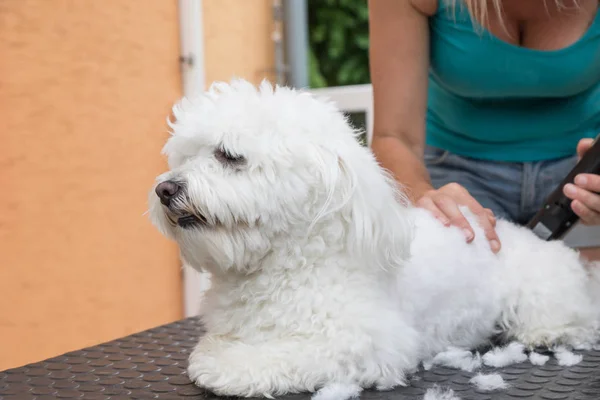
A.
x: 437, y: 393
x: 456, y: 358
x: 488, y: 382
x: 513, y: 353
x: 538, y: 359
x: 566, y: 357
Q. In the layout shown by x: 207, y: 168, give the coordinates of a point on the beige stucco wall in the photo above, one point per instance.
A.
x: 85, y: 87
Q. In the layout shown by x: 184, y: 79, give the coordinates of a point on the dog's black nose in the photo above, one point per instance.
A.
x: 166, y: 191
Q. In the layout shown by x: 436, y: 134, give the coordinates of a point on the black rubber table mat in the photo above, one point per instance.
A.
x: 152, y: 364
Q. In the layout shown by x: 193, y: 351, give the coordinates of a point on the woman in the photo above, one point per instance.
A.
x: 486, y: 104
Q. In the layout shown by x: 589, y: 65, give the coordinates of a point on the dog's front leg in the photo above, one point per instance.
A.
x: 233, y: 368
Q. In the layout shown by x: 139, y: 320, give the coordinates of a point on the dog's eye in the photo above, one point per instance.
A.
x: 225, y: 157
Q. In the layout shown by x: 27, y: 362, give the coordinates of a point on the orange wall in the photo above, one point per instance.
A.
x: 237, y: 40
x: 85, y: 87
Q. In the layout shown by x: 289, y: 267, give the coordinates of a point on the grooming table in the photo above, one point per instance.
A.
x: 152, y: 364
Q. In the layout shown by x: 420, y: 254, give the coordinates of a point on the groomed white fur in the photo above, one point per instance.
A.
x: 566, y: 358
x: 488, y: 382
x: 538, y: 359
x: 499, y: 357
x: 455, y: 358
x: 437, y: 393
x: 322, y: 272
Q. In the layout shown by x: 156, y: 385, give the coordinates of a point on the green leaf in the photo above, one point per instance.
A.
x: 362, y: 41
x: 363, y: 13
x: 316, y: 79
x: 347, y: 69
x: 318, y: 34
x: 339, y: 42
x: 336, y: 44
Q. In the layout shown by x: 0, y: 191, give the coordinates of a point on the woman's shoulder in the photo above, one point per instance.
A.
x: 426, y: 7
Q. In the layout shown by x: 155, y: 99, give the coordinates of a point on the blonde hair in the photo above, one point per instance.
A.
x: 479, y: 9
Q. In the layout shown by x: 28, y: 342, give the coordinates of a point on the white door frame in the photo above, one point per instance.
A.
x: 191, y: 40
x: 191, y: 37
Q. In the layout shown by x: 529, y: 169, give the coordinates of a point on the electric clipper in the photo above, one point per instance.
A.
x: 556, y: 217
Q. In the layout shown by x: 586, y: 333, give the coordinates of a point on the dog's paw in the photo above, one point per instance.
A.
x: 204, y: 371
x: 211, y: 374
x: 237, y: 371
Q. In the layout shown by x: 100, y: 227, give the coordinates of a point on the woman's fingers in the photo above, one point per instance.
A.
x: 427, y: 203
x: 590, y: 182
x: 485, y: 216
x: 448, y: 206
x: 445, y: 203
x: 491, y: 216
x: 586, y: 200
x: 488, y: 223
x: 588, y: 216
x: 583, y: 146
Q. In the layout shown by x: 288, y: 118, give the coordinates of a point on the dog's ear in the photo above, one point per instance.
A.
x: 373, y: 206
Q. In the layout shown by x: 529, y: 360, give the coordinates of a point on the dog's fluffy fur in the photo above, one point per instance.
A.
x: 322, y: 272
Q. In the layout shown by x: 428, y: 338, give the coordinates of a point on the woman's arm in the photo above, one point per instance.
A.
x: 399, y: 63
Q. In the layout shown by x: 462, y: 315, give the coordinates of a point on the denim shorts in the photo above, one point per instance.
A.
x: 514, y: 191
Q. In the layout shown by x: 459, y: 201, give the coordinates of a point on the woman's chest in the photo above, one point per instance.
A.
x: 485, y: 64
x: 541, y: 24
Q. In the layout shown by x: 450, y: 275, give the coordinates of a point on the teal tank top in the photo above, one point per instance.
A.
x: 492, y: 100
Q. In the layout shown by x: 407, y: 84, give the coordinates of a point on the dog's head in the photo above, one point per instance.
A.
x: 253, y: 170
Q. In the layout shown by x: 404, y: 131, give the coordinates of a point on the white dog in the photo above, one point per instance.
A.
x: 323, y: 275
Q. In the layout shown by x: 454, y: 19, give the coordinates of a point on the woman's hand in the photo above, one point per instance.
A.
x: 444, y: 203
x: 584, y: 193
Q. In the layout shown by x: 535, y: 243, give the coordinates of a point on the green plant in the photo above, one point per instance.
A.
x: 339, y: 42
